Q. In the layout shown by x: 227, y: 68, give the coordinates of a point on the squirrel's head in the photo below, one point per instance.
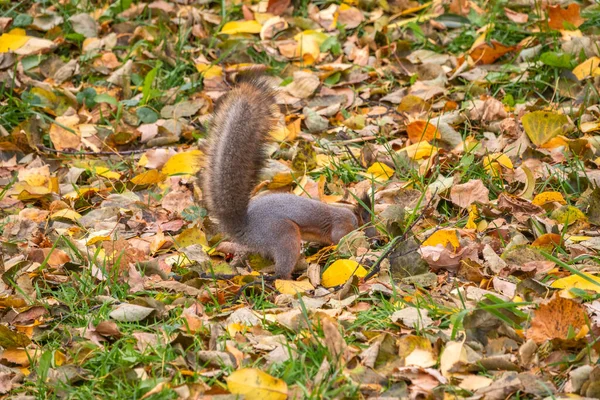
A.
x: 344, y: 222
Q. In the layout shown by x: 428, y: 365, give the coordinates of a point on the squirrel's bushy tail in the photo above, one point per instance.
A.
x: 236, y: 154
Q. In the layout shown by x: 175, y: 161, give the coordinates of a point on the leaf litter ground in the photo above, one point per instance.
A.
x: 473, y: 126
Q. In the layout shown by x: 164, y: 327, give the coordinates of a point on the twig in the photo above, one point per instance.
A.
x: 355, y: 140
x: 261, y: 283
x: 352, y: 155
x: 97, y: 153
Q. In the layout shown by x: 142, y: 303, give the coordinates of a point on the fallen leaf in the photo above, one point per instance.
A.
x: 340, y: 271
x: 379, y: 172
x: 541, y: 126
x: 234, y: 27
x: 465, y: 194
x: 293, y: 287
x: 443, y: 237
x: 547, y: 198
x: 590, y: 67
x: 255, y: 384
x: 488, y: 53
x: 556, y: 319
x: 187, y: 163
x: 130, y: 313
x: 422, y: 131
x: 560, y: 18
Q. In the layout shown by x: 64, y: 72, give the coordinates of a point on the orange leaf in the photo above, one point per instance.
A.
x: 555, y: 319
x: 548, y: 240
x: 421, y: 130
x: 557, y: 16
x: 487, y: 53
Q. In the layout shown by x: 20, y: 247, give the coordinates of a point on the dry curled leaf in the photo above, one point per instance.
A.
x: 558, y: 318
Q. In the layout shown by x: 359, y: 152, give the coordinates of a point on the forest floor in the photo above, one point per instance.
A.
x: 473, y: 125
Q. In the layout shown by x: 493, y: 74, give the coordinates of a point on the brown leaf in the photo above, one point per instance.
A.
x: 556, y: 319
x: 488, y: 53
x: 517, y: 17
x: 333, y: 338
x: 468, y: 193
x: 514, y: 204
x: 278, y: 7
x: 108, y: 328
x: 557, y: 16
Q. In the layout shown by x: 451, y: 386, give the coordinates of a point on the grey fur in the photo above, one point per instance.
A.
x: 273, y: 224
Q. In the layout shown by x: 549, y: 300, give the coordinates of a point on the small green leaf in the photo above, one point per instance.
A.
x: 147, y: 115
x: 148, y: 82
x: 558, y: 60
x: 22, y: 20
x: 105, y: 98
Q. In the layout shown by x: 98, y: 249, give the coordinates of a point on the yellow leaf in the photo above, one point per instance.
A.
x: 209, y: 71
x: 236, y: 327
x: 107, y: 173
x: 548, y: 197
x: 557, y: 141
x: 187, y: 163
x: 66, y: 214
x: 233, y: 27
x: 492, y: 163
x: 420, y: 150
x: 568, y: 215
x: 293, y: 287
x: 100, y: 236
x: 287, y: 133
x: 578, y: 238
x: 13, y: 40
x: 380, y: 172
x: 589, y: 126
x: 148, y: 178
x: 542, y: 126
x: 255, y: 384
x: 576, y: 281
x: 473, y: 217
x: 529, y: 183
x: 309, y: 45
x: 590, y: 67
x: 192, y: 236
x: 80, y: 192
x: 443, y: 237
x: 340, y: 271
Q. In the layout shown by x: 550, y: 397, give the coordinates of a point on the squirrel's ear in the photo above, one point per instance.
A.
x: 364, y: 208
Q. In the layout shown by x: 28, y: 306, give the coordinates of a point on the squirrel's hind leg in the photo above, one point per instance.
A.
x: 285, y: 245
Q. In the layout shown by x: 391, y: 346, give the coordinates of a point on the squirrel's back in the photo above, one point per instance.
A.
x: 236, y: 154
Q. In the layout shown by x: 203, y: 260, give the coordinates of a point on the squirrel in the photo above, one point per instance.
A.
x: 273, y: 224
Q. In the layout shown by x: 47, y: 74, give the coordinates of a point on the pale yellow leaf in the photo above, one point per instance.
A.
x: 420, y: 150
x: 293, y: 287
x: 541, y: 126
x: 107, y: 173
x: 590, y: 67
x: 66, y: 214
x: 255, y: 384
x: 209, y: 71
x: 148, y: 178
